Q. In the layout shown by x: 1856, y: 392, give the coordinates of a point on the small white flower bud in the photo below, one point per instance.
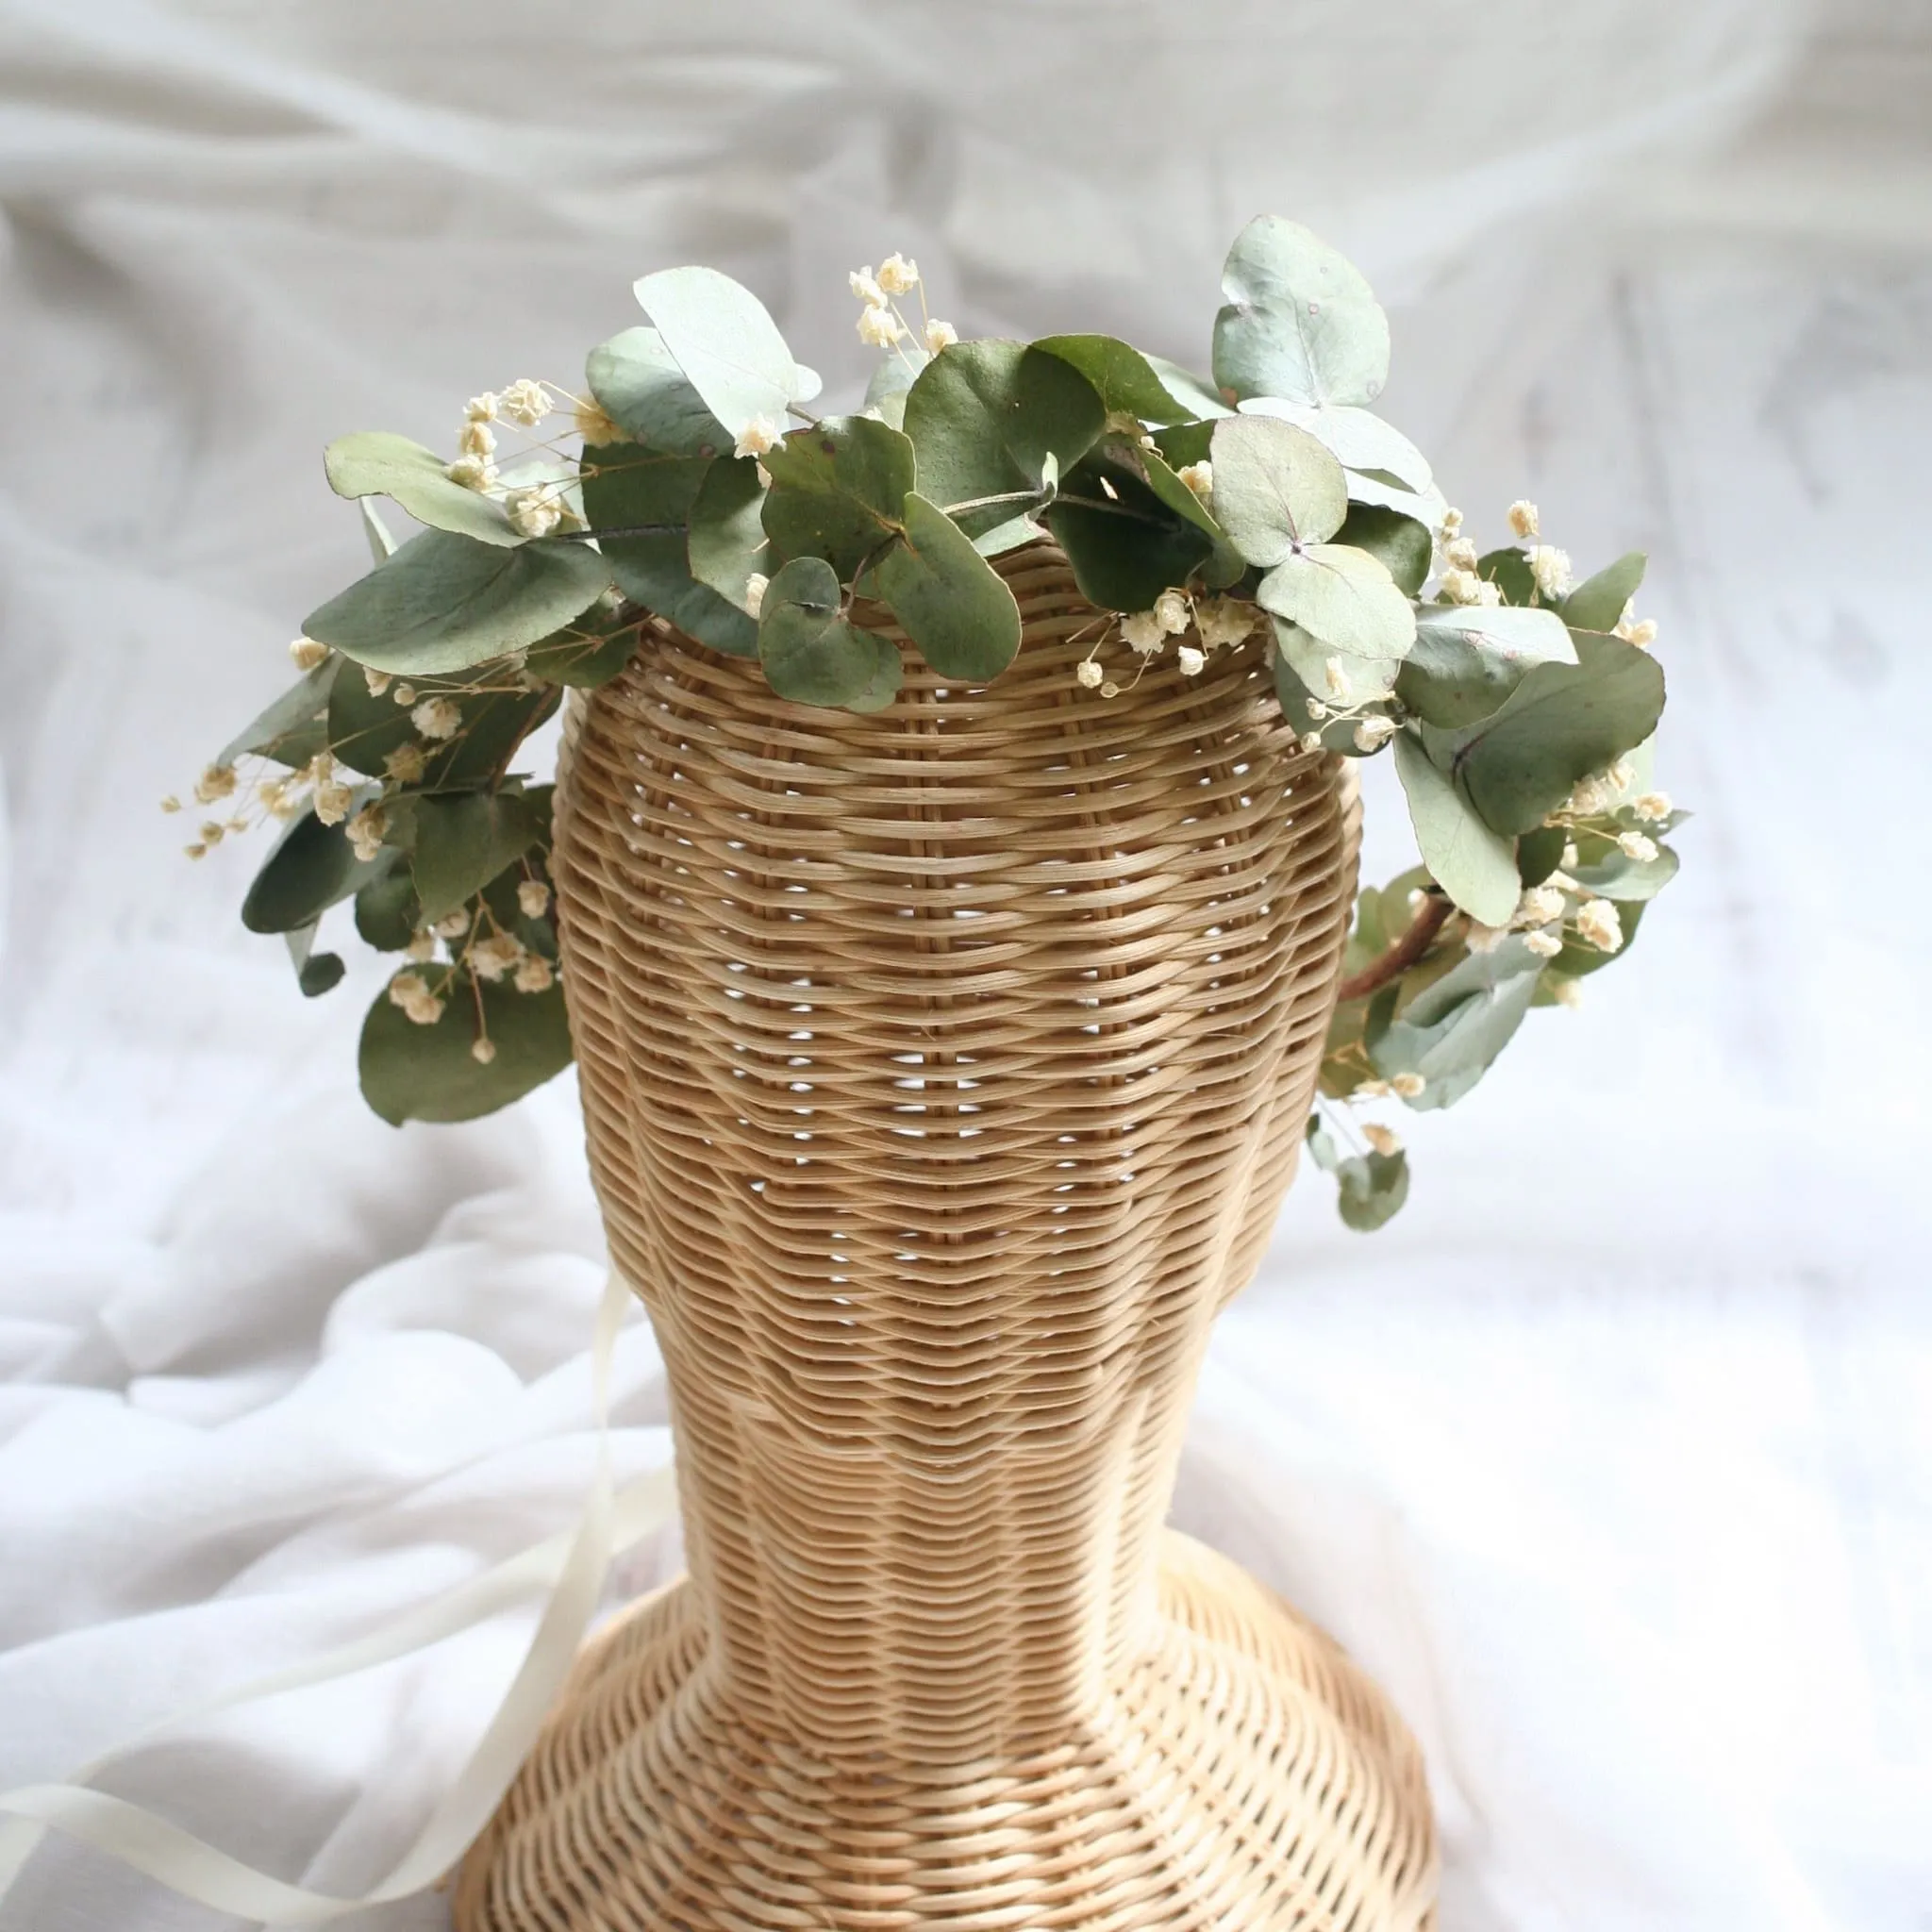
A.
x: 1191, y: 661
x: 533, y: 898
x: 1382, y: 1139
x: 1653, y: 807
x: 1171, y: 612
x: 756, y: 437
x: 878, y: 329
x: 897, y: 275
x: 437, y: 718
x: 940, y: 335
x: 1199, y: 478
x: 524, y: 402
x: 1597, y: 924
x: 1409, y: 1086
x: 1087, y: 672
x: 864, y: 284
x: 755, y: 588
x: 483, y: 1051
x: 1336, y: 680
x: 306, y: 653
x: 1566, y: 991
x: 1545, y: 945
x: 1522, y: 518
x: 1142, y: 631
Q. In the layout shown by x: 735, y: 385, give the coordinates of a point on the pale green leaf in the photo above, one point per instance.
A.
x: 1405, y: 549
x: 723, y: 339
x: 637, y: 384
x: 293, y: 728
x: 382, y: 546
x: 1345, y: 606
x: 1357, y: 438
x: 1468, y: 658
x: 444, y: 603
x: 812, y: 653
x: 313, y: 867
x: 1471, y: 863
x: 1597, y: 602
x: 726, y: 545
x: 837, y: 490
x: 1275, y: 488
x: 1124, y: 380
x: 374, y: 462
x: 1452, y: 1031
x: 950, y: 601
x: 1194, y: 393
x: 1300, y: 322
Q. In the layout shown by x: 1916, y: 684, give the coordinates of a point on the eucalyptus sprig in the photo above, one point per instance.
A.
x: 692, y: 481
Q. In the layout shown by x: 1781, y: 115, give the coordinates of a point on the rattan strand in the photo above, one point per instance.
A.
x: 943, y: 1071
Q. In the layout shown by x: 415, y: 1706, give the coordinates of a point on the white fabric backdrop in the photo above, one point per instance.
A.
x: 1612, y: 1457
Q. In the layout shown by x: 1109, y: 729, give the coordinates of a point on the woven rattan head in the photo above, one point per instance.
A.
x: 943, y: 1071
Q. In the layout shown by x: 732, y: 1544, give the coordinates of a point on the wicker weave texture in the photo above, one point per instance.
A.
x: 943, y: 1071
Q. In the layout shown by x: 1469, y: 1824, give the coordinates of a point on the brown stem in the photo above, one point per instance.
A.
x: 1423, y: 929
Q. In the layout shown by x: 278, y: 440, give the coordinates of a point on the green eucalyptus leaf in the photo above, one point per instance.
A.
x: 374, y: 462
x: 1597, y: 602
x: 1561, y: 722
x: 1403, y: 546
x: 589, y: 652
x: 886, y: 392
x: 984, y: 416
x: 1467, y: 658
x: 1125, y: 545
x: 637, y: 384
x: 1451, y: 1033
x: 382, y: 546
x: 812, y: 653
x: 1357, y: 438
x: 463, y: 840
x: 948, y: 599
x: 650, y: 498
x: 838, y: 490
x: 313, y: 867
x: 315, y: 972
x: 1300, y: 322
x: 1539, y: 853
x: 724, y: 340
x: 411, y: 1072
x: 444, y: 603
x: 1509, y: 570
x: 1339, y: 603
x: 1194, y: 393
x: 388, y: 912
x: 1471, y: 862
x: 1373, y: 1188
x: 293, y: 728
x: 1124, y: 380
x: 1224, y: 565
x: 1275, y: 488
x: 726, y: 545
x: 1607, y: 869
x: 1579, y: 958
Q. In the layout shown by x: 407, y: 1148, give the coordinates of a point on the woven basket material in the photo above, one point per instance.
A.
x: 943, y: 1071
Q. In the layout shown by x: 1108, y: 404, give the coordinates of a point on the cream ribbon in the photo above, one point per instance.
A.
x: 572, y: 1563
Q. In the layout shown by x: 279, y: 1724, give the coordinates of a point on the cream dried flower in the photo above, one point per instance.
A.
x: 758, y: 436
x: 596, y: 428
x: 403, y: 694
x: 483, y: 1050
x: 1110, y: 689
x: 1311, y: 741
x: 1653, y: 807
x: 1371, y: 734
x: 1223, y: 621
x: 217, y: 781
x: 1369, y: 1089
x: 411, y: 991
x: 1460, y: 554
x: 491, y: 958
x: 332, y: 801
x: 476, y: 440
x: 1637, y: 845
x: 1538, y: 905
x: 938, y: 335
x: 377, y: 681
x: 481, y: 408
x: 438, y: 718
x: 1171, y: 612
x: 524, y: 402
x: 533, y: 512
x: 1522, y: 517
x: 453, y: 925
x: 1452, y: 524
x: 1317, y: 710
x: 405, y: 763
x: 1142, y: 631
x: 1192, y: 662
x: 212, y: 831
x: 1485, y: 938
x: 1409, y: 1086
x: 1545, y: 945
x: 533, y: 898
x: 878, y: 328
x: 898, y: 277
x: 195, y: 851
x: 1459, y: 586
x: 1383, y: 1140
x: 1335, y: 680
x: 473, y: 472
x: 1089, y: 673
x: 365, y: 831
x: 1199, y: 478
x: 533, y: 974
x: 421, y: 946
x: 1566, y: 991
x: 755, y: 588
x: 306, y: 653
x: 171, y: 803
x: 1550, y: 567
x: 865, y: 285
x: 1598, y: 925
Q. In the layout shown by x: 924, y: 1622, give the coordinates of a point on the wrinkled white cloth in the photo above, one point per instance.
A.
x: 1612, y: 1457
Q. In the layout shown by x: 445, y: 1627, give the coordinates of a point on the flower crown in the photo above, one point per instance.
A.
x: 1519, y: 703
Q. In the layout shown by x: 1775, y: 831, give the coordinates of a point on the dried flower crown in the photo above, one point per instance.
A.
x: 1519, y: 703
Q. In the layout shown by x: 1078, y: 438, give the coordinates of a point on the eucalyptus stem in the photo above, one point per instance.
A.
x: 1413, y: 943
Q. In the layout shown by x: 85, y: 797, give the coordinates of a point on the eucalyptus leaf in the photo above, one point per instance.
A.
x: 838, y: 490
x: 1561, y: 722
x: 313, y: 867
x: 812, y: 653
x: 444, y: 603
x: 1597, y: 602
x: 886, y: 392
x: 293, y: 728
x: 315, y: 972
x: 1275, y: 488
x: 1125, y: 545
x: 1372, y: 1189
x: 463, y: 840
x: 1468, y: 860
x: 1540, y: 852
x: 949, y: 600
x: 1451, y: 1033
x: 1339, y: 603
x: 589, y: 652
x: 726, y: 545
x: 1403, y: 546
x: 1300, y: 322
x: 1357, y: 438
x: 723, y: 339
x: 650, y: 498
x: 1467, y: 658
x: 1579, y: 958
x: 382, y: 546
x: 983, y: 417
x: 1605, y: 868
x: 1224, y: 564
x: 1124, y: 380
x: 637, y: 384
x: 388, y: 912
x: 411, y: 1072
x: 1509, y: 570
x: 1194, y: 393
x: 374, y: 462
